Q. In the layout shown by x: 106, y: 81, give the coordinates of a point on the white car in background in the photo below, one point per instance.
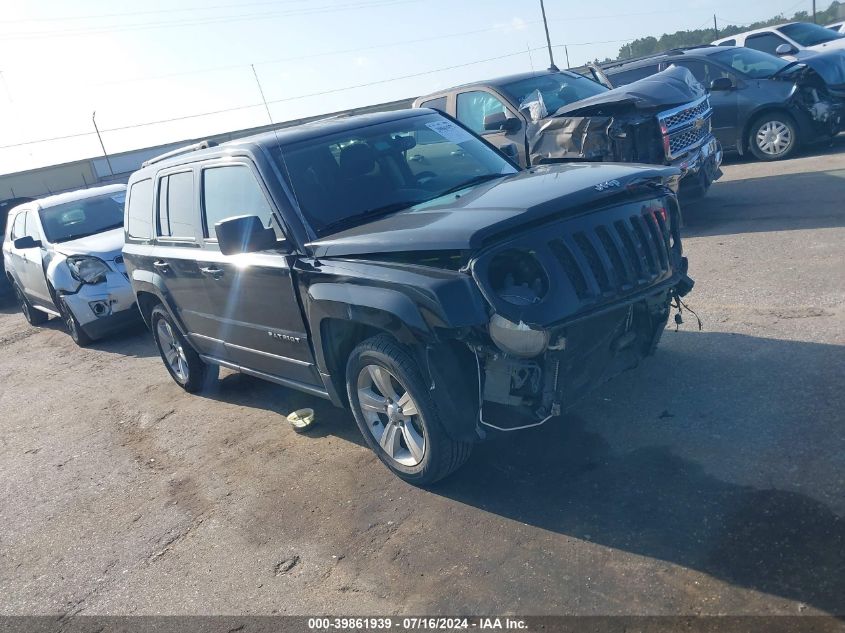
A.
x: 788, y: 39
x: 63, y: 257
x: 837, y: 27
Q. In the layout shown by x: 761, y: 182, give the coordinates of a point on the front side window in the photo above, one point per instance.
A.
x: 176, y: 209
x: 750, y: 62
x: 807, y: 34
x: 139, y: 210
x: 472, y: 107
x: 557, y: 89
x: 348, y: 178
x: 766, y: 42
x: 229, y: 191
x: 89, y: 216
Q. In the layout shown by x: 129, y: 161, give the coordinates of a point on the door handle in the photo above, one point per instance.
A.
x: 211, y: 271
x: 161, y: 265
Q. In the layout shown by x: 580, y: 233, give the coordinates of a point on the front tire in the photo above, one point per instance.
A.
x: 33, y: 316
x: 397, y: 414
x: 77, y: 333
x: 773, y: 136
x: 183, y: 363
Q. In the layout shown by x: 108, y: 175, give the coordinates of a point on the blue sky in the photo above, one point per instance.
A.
x: 139, y: 62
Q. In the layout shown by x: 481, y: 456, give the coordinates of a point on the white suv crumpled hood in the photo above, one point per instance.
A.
x: 107, y: 245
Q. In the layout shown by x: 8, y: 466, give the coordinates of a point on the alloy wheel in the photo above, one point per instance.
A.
x: 774, y: 138
x: 392, y: 416
x: 174, y: 353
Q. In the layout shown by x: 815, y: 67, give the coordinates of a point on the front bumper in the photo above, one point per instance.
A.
x: 700, y: 168
x: 105, y: 307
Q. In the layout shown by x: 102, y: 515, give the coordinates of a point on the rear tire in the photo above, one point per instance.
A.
x: 183, y: 363
x: 773, y: 136
x: 33, y: 316
x: 397, y: 415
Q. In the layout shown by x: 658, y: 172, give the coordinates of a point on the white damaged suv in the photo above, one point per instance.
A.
x: 63, y: 258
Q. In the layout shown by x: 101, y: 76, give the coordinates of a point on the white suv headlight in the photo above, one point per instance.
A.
x: 87, y: 269
x: 517, y: 339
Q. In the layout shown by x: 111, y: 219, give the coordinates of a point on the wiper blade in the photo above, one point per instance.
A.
x: 472, y: 181
x: 369, y: 214
x: 789, y: 65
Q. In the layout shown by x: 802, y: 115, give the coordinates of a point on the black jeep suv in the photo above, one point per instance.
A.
x: 436, y: 301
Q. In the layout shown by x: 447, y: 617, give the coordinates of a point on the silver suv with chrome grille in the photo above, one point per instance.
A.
x: 63, y: 258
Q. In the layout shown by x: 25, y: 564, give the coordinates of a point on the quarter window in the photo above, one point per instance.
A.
x: 229, y: 191
x: 474, y: 106
x: 766, y: 42
x: 176, y: 205
x: 435, y: 104
x: 140, y: 209
x: 19, y: 227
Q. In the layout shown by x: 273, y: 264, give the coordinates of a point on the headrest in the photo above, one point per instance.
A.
x: 357, y: 159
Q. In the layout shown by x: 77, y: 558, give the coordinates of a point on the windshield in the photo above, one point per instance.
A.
x: 751, y: 63
x: 556, y: 90
x: 88, y: 216
x: 809, y: 34
x: 345, y: 179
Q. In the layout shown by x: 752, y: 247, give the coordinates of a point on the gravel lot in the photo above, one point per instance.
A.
x: 709, y: 480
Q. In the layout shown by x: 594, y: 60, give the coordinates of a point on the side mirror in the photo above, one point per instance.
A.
x: 501, y: 121
x: 27, y: 241
x: 785, y: 49
x: 721, y: 83
x: 510, y: 150
x: 244, y: 234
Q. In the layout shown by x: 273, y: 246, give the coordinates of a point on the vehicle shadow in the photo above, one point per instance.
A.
x: 248, y: 391
x: 780, y: 202
x: 134, y: 340
x: 728, y: 463
x: 821, y: 148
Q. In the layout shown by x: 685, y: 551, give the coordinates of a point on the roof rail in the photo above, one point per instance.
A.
x: 671, y: 51
x: 178, y: 151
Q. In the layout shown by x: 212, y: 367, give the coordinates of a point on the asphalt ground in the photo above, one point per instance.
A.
x: 710, y: 480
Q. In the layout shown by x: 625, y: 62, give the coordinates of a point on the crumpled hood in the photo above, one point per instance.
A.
x: 671, y: 87
x: 106, y: 245
x: 830, y: 66
x: 464, y: 221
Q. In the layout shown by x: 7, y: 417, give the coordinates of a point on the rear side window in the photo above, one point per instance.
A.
x: 229, y: 191
x: 435, y: 104
x: 176, y: 205
x: 140, y: 210
x: 728, y: 43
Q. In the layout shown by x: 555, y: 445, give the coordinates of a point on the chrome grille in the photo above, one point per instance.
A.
x: 685, y: 127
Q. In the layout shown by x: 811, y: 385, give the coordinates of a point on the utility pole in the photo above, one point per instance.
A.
x: 715, y: 28
x: 814, y: 11
x: 552, y: 66
x: 566, y: 50
x: 99, y: 136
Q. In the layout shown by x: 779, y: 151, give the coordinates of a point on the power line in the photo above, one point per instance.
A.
x: 274, y: 101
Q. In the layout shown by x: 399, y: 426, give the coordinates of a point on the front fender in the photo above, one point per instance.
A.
x: 59, y: 277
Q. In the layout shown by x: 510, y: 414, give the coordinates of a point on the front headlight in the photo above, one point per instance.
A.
x: 517, y: 339
x: 87, y: 269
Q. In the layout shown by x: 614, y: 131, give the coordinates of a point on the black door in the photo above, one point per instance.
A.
x: 174, y: 257
x: 725, y: 120
x: 252, y: 296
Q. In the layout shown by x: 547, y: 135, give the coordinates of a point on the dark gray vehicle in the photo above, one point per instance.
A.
x: 559, y: 116
x: 439, y: 303
x: 761, y: 103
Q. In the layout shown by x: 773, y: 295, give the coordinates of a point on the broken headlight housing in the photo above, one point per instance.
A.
x: 87, y: 269
x: 517, y: 339
x: 518, y: 277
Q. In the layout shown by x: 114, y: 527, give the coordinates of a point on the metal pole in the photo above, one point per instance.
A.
x: 814, y: 11
x: 566, y: 50
x: 715, y: 27
x: 552, y: 66
x: 99, y: 136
